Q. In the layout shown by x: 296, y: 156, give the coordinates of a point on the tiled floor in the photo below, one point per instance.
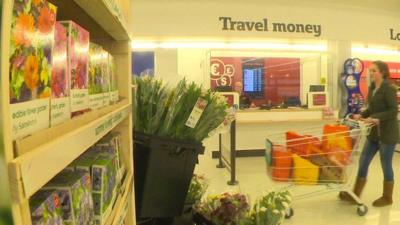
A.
x: 319, y: 210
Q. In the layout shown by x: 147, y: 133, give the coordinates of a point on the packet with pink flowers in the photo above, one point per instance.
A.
x: 78, y: 66
x: 60, y: 109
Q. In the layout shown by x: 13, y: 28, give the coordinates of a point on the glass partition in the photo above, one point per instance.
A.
x: 273, y: 79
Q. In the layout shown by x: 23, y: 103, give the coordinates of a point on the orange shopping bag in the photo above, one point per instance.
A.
x: 337, y: 143
x: 282, y: 163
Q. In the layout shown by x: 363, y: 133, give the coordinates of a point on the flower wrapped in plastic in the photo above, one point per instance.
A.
x: 270, y: 209
x: 197, y: 188
x: 225, y: 209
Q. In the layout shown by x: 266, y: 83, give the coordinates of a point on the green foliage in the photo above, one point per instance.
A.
x: 164, y: 112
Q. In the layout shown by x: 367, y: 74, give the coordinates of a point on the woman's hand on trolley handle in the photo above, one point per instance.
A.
x: 368, y: 120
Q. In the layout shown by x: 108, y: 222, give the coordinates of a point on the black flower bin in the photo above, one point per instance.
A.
x: 163, y: 171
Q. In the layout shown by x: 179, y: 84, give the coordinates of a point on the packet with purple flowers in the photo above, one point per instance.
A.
x: 96, y: 76
x: 45, y: 208
x: 106, y: 88
x: 111, y: 144
x: 104, y: 183
x: 74, y: 190
x: 114, y: 93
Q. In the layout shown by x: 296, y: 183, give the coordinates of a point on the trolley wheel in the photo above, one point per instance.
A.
x: 289, y: 213
x: 362, y: 210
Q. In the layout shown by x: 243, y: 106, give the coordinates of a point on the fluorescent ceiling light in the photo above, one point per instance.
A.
x: 230, y: 45
x: 375, y: 51
x: 143, y: 45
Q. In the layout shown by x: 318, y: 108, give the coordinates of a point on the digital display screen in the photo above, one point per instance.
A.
x: 252, y: 79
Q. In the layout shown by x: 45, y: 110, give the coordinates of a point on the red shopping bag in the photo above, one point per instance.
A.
x: 282, y: 163
x: 303, y: 145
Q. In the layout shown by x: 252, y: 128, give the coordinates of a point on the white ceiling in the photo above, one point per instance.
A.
x: 377, y: 6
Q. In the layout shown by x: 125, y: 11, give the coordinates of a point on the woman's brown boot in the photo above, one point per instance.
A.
x: 386, y: 198
x: 358, y: 188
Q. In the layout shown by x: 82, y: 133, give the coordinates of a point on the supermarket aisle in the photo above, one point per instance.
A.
x: 320, y: 210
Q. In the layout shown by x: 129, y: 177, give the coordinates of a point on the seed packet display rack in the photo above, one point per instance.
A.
x: 34, y: 160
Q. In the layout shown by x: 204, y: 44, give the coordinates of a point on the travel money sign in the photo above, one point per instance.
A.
x: 230, y: 24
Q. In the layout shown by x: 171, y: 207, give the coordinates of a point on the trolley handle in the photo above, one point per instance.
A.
x: 358, y: 124
x: 349, y: 121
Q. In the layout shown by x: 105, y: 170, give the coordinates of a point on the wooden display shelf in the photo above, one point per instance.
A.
x: 35, y: 168
x: 34, y: 160
x: 95, y: 16
x: 24, y: 145
x: 123, y: 194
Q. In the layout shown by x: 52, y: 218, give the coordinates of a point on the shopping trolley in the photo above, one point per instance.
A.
x: 324, y: 155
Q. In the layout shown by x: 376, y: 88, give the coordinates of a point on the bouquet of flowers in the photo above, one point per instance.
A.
x: 197, y: 188
x: 270, y: 209
x: 164, y: 112
x: 225, y: 209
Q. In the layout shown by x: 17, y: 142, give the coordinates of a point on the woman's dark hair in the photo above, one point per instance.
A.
x: 383, y: 68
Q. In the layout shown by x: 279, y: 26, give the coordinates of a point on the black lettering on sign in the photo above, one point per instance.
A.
x: 317, y: 30
x: 225, y: 22
x: 240, y: 26
x: 291, y: 28
x: 250, y: 25
x: 259, y: 26
x: 309, y: 28
x: 395, y: 36
x: 279, y: 27
x: 229, y: 24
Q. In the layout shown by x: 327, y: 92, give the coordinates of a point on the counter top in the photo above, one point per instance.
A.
x: 257, y: 116
x: 278, y: 110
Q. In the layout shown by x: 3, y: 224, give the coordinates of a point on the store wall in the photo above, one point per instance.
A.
x: 339, y: 20
x: 373, y: 57
x: 166, y: 66
x: 341, y: 23
x: 192, y: 64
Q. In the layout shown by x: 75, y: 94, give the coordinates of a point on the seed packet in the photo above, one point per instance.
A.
x: 107, y: 79
x: 114, y: 93
x: 96, y: 77
x: 74, y: 190
x: 84, y: 162
x: 111, y: 143
x: 31, y: 46
x: 104, y: 183
x: 45, y: 208
x: 60, y: 102
x: 78, y: 66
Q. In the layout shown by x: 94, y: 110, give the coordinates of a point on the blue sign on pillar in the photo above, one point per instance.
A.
x: 353, y: 69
